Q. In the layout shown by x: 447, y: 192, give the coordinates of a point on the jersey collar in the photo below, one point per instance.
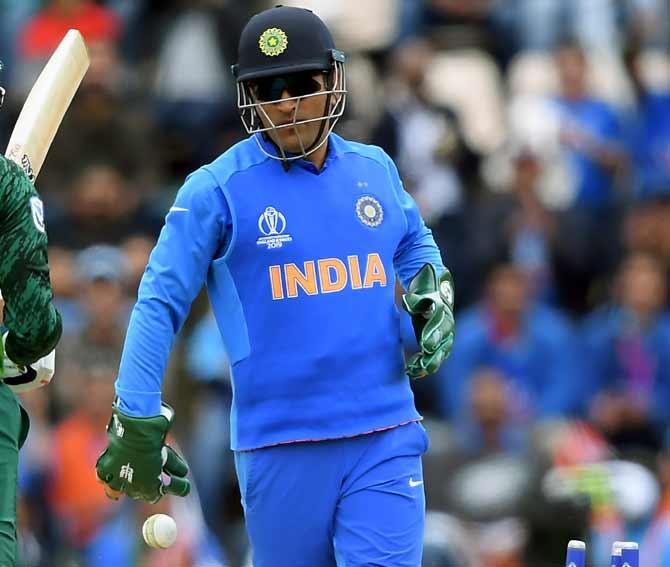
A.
x: 335, y: 149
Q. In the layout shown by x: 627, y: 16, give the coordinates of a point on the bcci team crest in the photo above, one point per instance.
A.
x: 272, y: 225
x: 273, y: 42
x: 369, y: 211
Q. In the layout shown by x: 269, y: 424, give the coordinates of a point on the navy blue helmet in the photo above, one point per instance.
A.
x: 280, y: 50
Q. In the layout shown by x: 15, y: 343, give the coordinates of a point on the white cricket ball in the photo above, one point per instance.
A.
x: 159, y: 531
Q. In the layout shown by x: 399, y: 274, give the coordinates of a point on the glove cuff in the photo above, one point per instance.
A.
x: 426, y: 285
x: 140, y: 433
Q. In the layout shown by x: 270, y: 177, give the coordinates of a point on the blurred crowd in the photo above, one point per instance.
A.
x: 535, y: 137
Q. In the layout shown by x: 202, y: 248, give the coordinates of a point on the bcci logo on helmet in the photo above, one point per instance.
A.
x: 272, y: 225
x: 273, y: 42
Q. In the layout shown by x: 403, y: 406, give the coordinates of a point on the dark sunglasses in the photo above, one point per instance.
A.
x: 297, y: 84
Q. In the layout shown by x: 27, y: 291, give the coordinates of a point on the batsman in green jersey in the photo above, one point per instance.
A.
x: 31, y: 328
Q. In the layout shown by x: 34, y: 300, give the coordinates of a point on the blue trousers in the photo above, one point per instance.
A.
x: 356, y: 502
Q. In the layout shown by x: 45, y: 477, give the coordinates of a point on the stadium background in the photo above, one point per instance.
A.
x: 535, y: 136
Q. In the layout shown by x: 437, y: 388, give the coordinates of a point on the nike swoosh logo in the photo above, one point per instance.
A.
x: 414, y: 483
x: 178, y: 210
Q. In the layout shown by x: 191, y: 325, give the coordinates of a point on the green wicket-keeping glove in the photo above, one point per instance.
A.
x: 430, y: 302
x: 137, y: 461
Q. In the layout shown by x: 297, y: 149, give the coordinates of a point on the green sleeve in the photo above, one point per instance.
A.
x: 34, y: 324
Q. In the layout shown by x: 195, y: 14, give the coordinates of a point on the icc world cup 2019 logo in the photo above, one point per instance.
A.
x: 272, y: 225
x: 271, y: 222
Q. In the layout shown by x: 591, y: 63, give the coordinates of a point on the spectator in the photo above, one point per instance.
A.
x: 492, y: 429
x: 424, y: 139
x: 590, y: 133
x: 648, y: 133
x: 46, y: 28
x: 193, y: 86
x: 529, y: 344
x: 649, y: 20
x: 447, y: 542
x: 628, y: 357
x: 37, y: 539
x: 517, y: 223
x: 101, y: 208
x: 436, y: 164
x: 101, y: 272
x: 44, y: 31
x: 106, y: 125
x: 14, y: 18
x: 541, y: 24
x: 589, y: 230
x: 91, y: 525
x: 453, y: 24
x: 647, y: 228
x: 636, y: 513
x: 65, y: 286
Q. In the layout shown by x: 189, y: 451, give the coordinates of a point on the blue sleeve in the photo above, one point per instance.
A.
x: 194, y: 232
x: 417, y: 246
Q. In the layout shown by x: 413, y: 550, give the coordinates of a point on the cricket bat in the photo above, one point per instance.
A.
x: 40, y: 118
x: 47, y: 103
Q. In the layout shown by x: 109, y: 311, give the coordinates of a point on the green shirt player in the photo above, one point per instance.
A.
x: 31, y: 328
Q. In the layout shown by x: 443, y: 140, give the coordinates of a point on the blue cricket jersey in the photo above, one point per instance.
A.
x: 300, y: 267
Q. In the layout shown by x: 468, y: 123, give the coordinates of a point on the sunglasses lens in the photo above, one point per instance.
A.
x: 297, y: 84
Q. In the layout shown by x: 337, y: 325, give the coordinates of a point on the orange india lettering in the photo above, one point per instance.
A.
x: 294, y: 278
x: 374, y: 272
x: 332, y: 267
x: 332, y: 276
x: 275, y: 282
x: 355, y: 272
